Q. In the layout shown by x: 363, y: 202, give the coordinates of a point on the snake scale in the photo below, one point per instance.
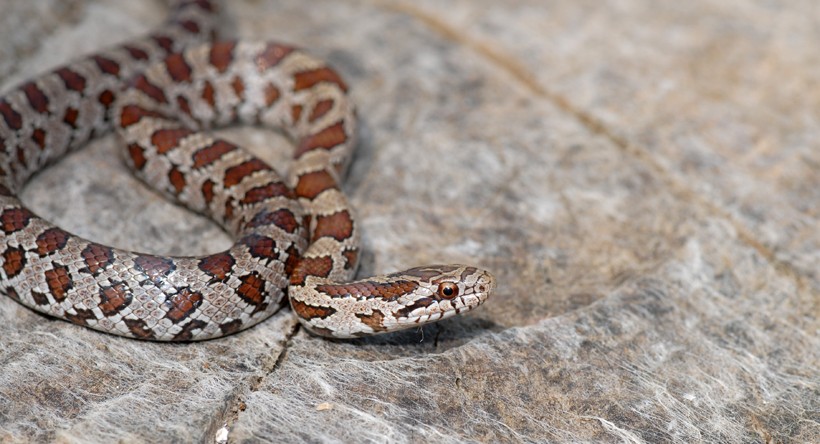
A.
x: 295, y: 238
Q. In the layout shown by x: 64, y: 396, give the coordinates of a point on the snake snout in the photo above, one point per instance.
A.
x: 463, y: 289
x: 484, y: 286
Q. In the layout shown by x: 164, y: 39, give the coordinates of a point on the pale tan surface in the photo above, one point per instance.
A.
x: 643, y: 180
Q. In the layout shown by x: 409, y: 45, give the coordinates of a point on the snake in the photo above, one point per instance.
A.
x: 296, y: 240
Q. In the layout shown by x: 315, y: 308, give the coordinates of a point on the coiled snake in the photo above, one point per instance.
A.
x: 294, y: 237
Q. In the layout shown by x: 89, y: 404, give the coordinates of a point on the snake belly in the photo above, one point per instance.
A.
x: 295, y: 237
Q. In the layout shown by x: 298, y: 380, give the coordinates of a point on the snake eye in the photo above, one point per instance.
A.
x: 448, y: 290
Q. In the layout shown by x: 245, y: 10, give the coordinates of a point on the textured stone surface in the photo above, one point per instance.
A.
x: 643, y: 179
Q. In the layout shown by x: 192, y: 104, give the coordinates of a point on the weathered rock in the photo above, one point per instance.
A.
x: 643, y: 179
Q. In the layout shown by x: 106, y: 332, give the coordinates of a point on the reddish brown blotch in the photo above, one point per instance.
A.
x: 59, y: 281
x: 96, y: 257
x: 329, y: 137
x: 51, y: 240
x: 36, y: 98
x: 217, y: 265
x: 114, y: 298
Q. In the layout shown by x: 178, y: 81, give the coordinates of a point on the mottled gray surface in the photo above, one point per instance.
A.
x: 643, y: 179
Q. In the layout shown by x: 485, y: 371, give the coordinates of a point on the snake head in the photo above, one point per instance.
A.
x: 442, y: 291
x: 383, y: 304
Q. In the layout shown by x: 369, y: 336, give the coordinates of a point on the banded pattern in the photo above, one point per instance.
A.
x: 295, y: 237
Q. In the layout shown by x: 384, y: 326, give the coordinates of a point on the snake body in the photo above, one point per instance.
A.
x: 295, y: 238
